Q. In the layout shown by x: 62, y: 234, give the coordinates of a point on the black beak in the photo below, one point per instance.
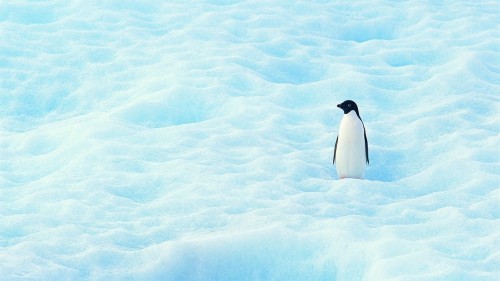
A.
x: 338, y: 105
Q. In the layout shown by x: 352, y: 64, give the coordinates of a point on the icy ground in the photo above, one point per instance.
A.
x: 193, y: 140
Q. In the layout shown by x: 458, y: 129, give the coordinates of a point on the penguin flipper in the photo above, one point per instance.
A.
x: 366, y: 148
x: 335, y: 151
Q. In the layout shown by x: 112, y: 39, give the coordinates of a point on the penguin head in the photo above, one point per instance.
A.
x: 347, y: 106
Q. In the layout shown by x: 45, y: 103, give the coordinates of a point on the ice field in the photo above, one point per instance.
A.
x: 193, y: 140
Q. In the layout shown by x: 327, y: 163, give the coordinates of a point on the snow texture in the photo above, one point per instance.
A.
x: 193, y: 140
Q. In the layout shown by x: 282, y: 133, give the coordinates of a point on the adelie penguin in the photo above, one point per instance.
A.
x: 351, y: 147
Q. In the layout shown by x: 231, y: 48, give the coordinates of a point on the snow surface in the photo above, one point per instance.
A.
x: 193, y: 140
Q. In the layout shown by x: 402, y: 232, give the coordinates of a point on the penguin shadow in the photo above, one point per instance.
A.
x: 386, y: 166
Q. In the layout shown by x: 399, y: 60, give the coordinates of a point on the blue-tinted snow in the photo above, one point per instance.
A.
x: 192, y: 140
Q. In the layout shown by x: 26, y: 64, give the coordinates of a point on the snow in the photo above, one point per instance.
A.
x: 193, y: 140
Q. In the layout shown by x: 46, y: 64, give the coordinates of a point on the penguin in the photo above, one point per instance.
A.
x: 351, y: 147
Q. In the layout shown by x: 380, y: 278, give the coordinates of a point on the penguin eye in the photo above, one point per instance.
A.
x: 349, y: 105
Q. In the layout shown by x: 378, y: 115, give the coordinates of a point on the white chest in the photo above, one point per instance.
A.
x: 351, y: 128
x: 350, y: 153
